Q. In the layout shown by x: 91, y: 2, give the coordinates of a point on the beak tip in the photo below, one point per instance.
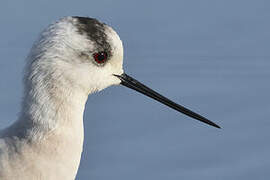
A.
x: 218, y: 127
x: 215, y: 125
x: 210, y: 123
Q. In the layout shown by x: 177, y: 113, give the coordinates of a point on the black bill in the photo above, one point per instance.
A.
x: 137, y: 86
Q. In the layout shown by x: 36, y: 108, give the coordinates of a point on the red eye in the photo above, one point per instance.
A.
x: 100, y: 57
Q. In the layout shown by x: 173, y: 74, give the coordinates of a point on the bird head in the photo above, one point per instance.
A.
x: 79, y: 51
x: 83, y: 54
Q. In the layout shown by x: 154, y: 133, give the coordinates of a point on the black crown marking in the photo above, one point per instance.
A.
x: 95, y: 31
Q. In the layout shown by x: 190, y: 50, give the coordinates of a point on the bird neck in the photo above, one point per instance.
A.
x: 50, y: 125
x: 49, y: 129
x: 51, y: 105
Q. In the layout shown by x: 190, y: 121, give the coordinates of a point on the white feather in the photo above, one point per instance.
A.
x: 46, y: 141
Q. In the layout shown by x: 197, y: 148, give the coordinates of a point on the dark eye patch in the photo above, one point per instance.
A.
x: 95, y: 32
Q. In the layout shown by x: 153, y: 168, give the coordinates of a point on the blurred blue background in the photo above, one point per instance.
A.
x: 211, y: 56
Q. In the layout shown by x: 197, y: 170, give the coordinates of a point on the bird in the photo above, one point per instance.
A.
x: 71, y: 59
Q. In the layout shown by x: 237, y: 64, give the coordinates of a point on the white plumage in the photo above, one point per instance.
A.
x: 47, y: 139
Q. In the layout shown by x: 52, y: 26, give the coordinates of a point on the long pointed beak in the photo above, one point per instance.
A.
x: 137, y: 86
